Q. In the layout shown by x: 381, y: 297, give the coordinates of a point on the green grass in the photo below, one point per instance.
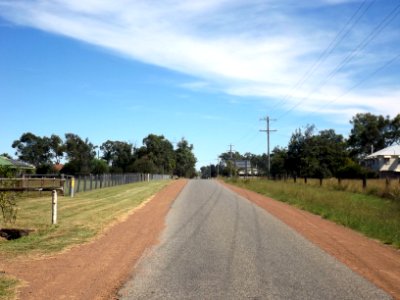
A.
x: 373, y: 216
x: 7, y: 287
x: 79, y: 219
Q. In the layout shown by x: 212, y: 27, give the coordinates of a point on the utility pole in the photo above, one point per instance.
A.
x: 230, y: 152
x: 268, y: 131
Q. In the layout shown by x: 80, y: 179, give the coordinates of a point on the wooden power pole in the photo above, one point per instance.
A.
x: 268, y: 131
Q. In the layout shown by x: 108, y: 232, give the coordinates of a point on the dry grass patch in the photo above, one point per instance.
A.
x: 80, y: 218
x: 376, y: 217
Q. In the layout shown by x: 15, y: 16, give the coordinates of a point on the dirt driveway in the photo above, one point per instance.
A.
x: 96, y: 270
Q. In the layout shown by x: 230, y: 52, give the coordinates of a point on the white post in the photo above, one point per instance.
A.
x: 148, y: 177
x: 54, y: 207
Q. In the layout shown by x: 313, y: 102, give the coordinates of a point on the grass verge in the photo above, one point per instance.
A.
x: 8, y: 287
x: 375, y: 217
x: 79, y: 219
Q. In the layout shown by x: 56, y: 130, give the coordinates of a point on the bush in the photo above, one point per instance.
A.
x: 351, y: 170
x: 44, y: 169
x: 8, y: 205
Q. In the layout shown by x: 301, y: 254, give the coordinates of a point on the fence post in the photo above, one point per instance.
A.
x: 84, y: 183
x: 387, y: 184
x: 339, y: 181
x: 72, y: 187
x: 41, y: 186
x: 364, y: 182
x: 78, y: 188
x: 91, y: 182
x: 320, y: 182
x: 54, y: 207
x: 305, y: 180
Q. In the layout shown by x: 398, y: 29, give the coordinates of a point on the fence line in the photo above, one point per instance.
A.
x: 382, y: 187
x: 70, y: 185
x: 85, y: 183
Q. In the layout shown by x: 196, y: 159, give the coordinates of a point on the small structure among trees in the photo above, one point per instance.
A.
x: 385, y: 161
x: 324, y: 154
x: 15, y: 167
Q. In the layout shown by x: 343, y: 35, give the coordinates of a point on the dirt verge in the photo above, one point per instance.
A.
x: 97, y: 269
x: 378, y: 263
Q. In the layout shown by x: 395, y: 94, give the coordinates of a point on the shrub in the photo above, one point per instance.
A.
x: 8, y: 205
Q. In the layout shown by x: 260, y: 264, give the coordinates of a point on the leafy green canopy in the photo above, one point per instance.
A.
x: 157, y: 155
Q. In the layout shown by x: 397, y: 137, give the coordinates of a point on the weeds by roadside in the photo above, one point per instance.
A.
x: 7, y: 287
x: 376, y: 217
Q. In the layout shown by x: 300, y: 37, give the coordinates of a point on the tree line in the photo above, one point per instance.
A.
x: 157, y: 155
x: 320, y: 154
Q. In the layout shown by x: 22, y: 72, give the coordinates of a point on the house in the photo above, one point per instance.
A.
x: 244, y: 168
x: 18, y: 166
x: 385, y: 161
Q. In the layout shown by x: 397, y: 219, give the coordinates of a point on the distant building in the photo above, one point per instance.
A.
x: 19, y: 166
x: 244, y: 168
x: 385, y: 161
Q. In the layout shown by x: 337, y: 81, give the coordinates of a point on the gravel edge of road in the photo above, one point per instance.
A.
x: 96, y: 270
x: 378, y: 263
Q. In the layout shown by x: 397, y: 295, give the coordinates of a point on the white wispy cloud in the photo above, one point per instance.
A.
x: 240, y: 47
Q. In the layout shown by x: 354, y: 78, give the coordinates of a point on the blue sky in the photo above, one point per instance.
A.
x: 204, y: 70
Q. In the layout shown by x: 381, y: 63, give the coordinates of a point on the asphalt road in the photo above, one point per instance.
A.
x: 217, y: 245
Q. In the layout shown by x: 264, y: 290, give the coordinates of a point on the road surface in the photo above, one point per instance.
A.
x: 218, y: 245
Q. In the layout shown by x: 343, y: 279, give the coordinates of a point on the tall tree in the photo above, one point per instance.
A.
x: 156, y: 151
x: 33, y: 149
x: 393, y: 135
x: 80, y: 154
x: 279, y: 162
x: 299, y: 159
x: 315, y: 155
x: 56, y: 148
x: 369, y: 132
x: 185, y: 160
x: 118, y: 154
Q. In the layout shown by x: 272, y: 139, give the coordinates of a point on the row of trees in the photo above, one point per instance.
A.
x: 320, y: 154
x: 157, y: 155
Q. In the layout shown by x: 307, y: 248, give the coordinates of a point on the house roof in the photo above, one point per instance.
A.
x: 389, y: 151
x: 13, y: 163
x: 4, y: 161
x: 58, y: 167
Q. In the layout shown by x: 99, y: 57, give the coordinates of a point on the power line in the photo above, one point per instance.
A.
x: 340, y: 36
x: 370, y: 37
x: 249, y: 129
x: 366, y: 78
